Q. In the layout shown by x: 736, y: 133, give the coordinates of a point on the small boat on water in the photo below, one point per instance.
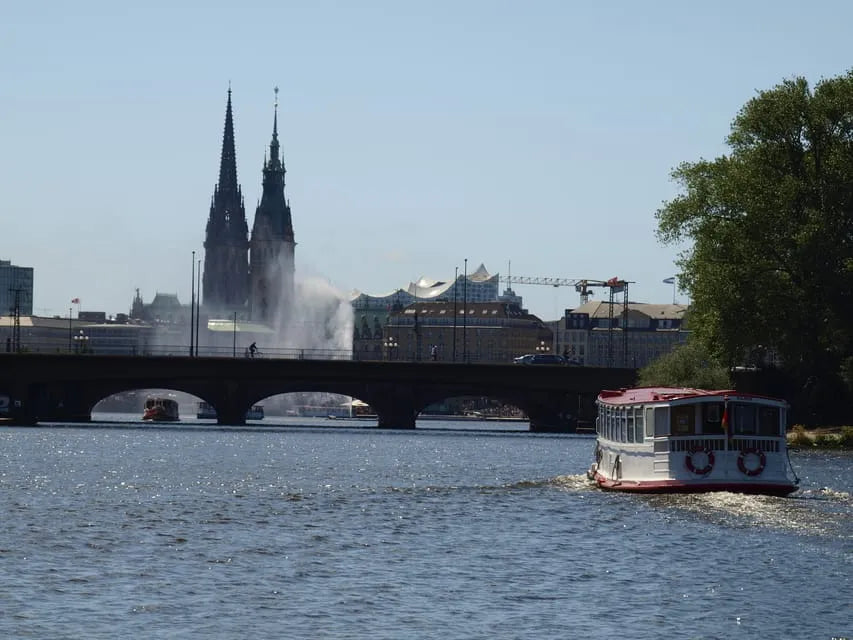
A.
x: 207, y: 412
x: 159, y: 409
x: 675, y: 440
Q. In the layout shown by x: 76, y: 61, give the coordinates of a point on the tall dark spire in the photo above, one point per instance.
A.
x: 272, y: 244
x: 228, y: 161
x: 226, y: 259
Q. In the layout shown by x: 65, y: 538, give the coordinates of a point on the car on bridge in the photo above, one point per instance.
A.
x: 540, y: 358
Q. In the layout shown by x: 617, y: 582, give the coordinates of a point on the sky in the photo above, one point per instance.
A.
x: 535, y: 137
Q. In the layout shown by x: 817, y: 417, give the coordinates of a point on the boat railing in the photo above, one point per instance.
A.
x: 717, y: 443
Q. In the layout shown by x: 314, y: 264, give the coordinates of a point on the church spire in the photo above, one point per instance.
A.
x: 275, y: 162
x: 226, y: 259
x: 228, y: 161
x: 272, y: 242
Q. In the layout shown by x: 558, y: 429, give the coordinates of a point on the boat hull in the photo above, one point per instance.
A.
x: 159, y: 416
x: 698, y: 486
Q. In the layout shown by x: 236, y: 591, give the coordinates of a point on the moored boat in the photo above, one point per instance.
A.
x: 665, y: 439
x: 256, y: 412
x: 159, y: 409
x: 206, y: 411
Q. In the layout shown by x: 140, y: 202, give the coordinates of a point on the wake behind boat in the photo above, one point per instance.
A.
x: 664, y: 439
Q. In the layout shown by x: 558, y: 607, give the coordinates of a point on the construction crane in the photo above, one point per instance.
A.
x: 584, y: 287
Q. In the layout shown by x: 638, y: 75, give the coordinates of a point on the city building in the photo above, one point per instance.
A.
x: 371, y: 312
x: 272, y: 245
x: 494, y: 332
x: 40, y: 334
x: 593, y: 334
x: 16, y: 289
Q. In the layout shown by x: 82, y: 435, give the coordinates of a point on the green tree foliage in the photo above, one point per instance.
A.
x: 688, y: 365
x: 770, y: 230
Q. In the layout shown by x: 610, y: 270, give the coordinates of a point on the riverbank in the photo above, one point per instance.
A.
x: 820, y: 438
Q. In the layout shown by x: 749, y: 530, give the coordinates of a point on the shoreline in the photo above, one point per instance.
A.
x: 840, y: 438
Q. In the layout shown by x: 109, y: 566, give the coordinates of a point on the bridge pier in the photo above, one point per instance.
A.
x: 395, y: 407
x: 231, y: 418
x: 554, y: 413
x: 396, y: 419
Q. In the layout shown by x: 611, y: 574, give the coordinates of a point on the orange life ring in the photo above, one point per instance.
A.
x: 691, y: 466
x: 741, y: 464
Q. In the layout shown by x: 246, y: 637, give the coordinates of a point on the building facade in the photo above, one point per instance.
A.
x: 593, y: 335
x: 371, y: 312
x: 16, y: 289
x: 492, y: 332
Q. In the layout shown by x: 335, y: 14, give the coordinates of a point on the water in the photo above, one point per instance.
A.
x: 458, y: 530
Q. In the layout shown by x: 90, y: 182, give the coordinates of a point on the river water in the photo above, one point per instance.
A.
x: 328, y: 529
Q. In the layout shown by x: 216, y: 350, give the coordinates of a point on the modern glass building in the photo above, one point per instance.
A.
x: 16, y: 289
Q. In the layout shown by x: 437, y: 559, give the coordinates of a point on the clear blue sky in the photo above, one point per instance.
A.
x: 415, y: 134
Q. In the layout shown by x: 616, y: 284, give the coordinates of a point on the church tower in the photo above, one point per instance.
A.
x: 226, y: 261
x: 272, y: 244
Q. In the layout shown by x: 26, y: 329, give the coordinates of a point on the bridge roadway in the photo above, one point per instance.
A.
x: 60, y: 387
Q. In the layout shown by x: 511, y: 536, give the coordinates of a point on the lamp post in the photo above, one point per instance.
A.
x: 81, y: 340
x: 197, y: 304
x: 391, y: 345
x: 69, y: 329
x: 455, y: 284
x: 192, y: 309
x: 542, y: 347
x: 465, y: 316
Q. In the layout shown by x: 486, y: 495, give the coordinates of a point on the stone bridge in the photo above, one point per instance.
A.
x: 61, y: 387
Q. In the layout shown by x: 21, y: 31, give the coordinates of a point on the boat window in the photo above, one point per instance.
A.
x: 768, y: 421
x: 629, y: 421
x: 638, y: 424
x: 743, y: 419
x: 650, y: 423
x: 683, y: 418
x: 623, y: 436
x: 712, y: 418
x: 611, y: 421
x: 661, y: 421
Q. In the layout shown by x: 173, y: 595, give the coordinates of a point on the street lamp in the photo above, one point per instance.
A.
x: 391, y: 345
x: 542, y: 347
x: 80, y: 342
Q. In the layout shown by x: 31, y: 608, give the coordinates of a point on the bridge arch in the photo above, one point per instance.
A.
x: 398, y: 391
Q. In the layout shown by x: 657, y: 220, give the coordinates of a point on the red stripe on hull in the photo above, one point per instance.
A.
x: 678, y: 486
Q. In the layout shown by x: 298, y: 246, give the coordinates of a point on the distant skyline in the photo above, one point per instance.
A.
x: 414, y: 135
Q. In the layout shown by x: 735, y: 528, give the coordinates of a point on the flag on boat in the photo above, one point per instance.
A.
x: 669, y: 281
x: 725, y: 421
x: 75, y: 300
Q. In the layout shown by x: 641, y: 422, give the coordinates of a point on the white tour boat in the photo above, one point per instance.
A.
x: 664, y: 439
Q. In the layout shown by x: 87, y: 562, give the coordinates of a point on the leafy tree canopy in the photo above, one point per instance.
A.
x: 688, y: 365
x: 770, y: 229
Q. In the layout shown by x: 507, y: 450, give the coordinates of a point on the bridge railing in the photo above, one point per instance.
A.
x: 261, y: 353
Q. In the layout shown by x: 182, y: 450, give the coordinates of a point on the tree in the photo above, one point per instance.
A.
x: 687, y: 365
x: 770, y: 229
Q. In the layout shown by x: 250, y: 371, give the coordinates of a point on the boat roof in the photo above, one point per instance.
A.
x: 640, y: 395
